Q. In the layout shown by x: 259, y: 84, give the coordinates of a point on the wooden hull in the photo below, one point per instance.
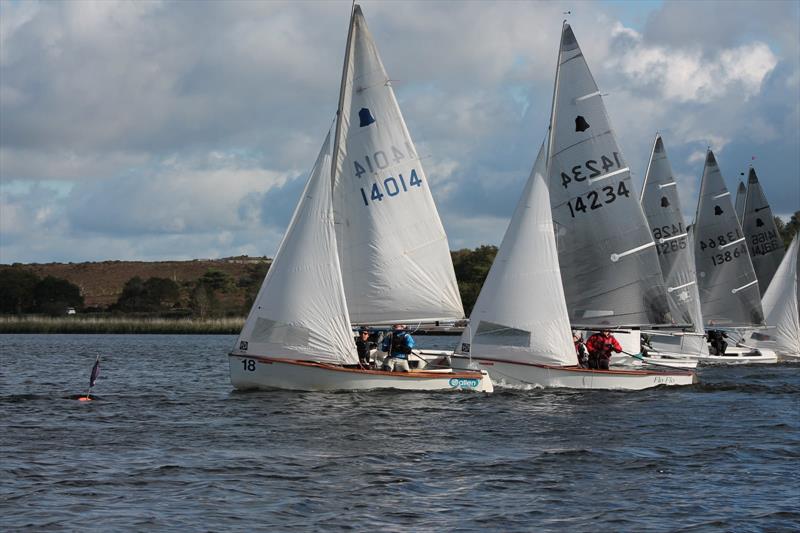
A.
x: 529, y: 375
x: 256, y: 372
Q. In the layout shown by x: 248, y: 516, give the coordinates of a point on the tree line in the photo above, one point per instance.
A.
x: 217, y: 293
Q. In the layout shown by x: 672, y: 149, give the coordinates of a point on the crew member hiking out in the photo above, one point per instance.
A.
x: 397, y: 345
x: 600, y: 346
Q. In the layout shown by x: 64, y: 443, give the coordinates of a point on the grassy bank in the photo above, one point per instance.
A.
x: 87, y: 324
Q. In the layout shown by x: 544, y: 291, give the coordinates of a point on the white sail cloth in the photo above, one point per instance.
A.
x: 763, y: 238
x: 300, y: 311
x: 727, y: 283
x: 394, y: 253
x: 608, y: 260
x: 661, y: 204
x: 780, y: 304
x: 520, y: 314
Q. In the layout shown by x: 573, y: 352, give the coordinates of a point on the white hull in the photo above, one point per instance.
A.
x: 740, y: 355
x: 255, y: 372
x: 522, y: 375
x: 678, y: 360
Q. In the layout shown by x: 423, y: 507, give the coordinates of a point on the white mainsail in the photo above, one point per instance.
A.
x: 300, y: 311
x: 763, y: 238
x: 394, y: 253
x: 727, y: 283
x: 608, y: 260
x: 781, y: 305
x: 661, y: 204
x: 520, y: 314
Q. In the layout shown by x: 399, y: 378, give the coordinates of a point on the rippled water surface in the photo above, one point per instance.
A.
x: 167, y: 445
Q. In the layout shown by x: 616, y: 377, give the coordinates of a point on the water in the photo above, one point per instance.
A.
x: 168, y: 445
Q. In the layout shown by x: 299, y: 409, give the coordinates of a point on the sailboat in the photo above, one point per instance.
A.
x: 520, y: 326
x: 763, y: 239
x: 781, y: 303
x: 727, y: 284
x: 661, y: 205
x: 364, y: 242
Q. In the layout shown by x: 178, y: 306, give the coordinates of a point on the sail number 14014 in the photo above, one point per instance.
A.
x: 390, y: 186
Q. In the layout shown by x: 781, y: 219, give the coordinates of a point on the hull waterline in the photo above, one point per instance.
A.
x: 256, y: 372
x: 530, y: 375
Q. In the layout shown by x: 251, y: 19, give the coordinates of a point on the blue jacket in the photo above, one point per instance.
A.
x: 400, y: 343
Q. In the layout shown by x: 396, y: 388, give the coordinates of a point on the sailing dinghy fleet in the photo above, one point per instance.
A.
x: 366, y: 246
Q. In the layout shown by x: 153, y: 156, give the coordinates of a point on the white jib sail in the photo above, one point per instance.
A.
x: 521, y: 314
x: 394, y: 253
x: 300, y: 311
x: 780, y: 303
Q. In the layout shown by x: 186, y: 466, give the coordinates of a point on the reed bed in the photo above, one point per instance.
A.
x: 93, y: 324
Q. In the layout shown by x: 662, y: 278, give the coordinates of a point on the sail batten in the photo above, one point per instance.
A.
x: 609, y: 266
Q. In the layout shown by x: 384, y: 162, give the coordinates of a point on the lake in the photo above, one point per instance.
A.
x: 168, y: 445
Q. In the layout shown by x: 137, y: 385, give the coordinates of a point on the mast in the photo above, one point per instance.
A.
x: 553, y: 103
x: 338, y: 134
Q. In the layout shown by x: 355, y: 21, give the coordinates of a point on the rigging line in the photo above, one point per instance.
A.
x: 737, y: 289
x: 616, y: 257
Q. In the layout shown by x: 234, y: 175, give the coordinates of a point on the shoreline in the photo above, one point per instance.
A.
x: 147, y: 326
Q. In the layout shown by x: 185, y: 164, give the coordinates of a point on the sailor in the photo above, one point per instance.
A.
x: 397, y: 345
x: 716, y: 340
x: 363, y: 347
x: 600, y: 346
x: 580, y: 349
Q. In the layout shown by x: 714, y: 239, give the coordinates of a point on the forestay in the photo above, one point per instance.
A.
x: 726, y: 281
x: 763, y: 239
x: 741, y: 193
x: 300, y: 311
x: 394, y: 253
x: 608, y: 260
x: 520, y: 314
x: 781, y: 304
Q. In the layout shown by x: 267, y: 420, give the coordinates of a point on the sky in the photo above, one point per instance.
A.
x: 181, y: 130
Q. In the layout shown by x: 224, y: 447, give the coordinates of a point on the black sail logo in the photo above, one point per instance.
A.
x: 717, y: 210
x: 664, y: 201
x: 581, y: 124
x: 365, y: 118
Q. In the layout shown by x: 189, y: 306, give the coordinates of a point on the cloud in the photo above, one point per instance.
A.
x: 174, y: 130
